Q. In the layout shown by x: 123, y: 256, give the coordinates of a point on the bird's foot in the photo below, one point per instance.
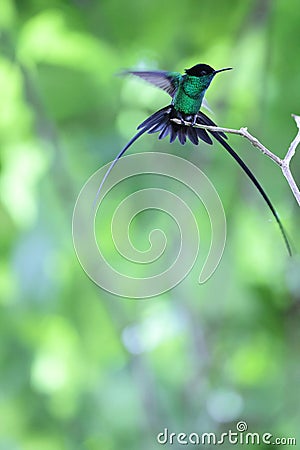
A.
x: 181, y: 118
x: 194, y: 120
x: 187, y: 118
x: 191, y: 119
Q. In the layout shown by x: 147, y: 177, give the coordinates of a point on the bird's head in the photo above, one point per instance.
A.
x: 204, y: 71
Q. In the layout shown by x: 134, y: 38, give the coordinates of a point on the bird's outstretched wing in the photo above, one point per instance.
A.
x: 167, y: 81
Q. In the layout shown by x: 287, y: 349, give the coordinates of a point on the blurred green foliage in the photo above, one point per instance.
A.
x: 81, y: 369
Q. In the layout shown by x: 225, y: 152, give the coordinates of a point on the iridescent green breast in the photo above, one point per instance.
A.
x: 190, y: 93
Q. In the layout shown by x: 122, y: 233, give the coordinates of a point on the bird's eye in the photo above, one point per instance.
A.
x: 203, y: 72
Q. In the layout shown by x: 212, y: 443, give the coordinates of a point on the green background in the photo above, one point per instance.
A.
x: 80, y: 368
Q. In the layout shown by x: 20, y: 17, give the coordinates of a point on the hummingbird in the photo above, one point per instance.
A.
x: 187, y: 93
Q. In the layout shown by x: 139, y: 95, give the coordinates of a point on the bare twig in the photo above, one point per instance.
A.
x: 285, y: 167
x: 284, y: 163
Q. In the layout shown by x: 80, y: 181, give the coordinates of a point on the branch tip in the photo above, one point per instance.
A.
x: 284, y: 163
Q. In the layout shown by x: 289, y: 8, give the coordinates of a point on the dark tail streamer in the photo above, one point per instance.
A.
x: 203, y: 119
x: 256, y: 184
x: 119, y: 155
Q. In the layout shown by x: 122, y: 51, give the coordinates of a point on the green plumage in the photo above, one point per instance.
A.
x: 190, y: 93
